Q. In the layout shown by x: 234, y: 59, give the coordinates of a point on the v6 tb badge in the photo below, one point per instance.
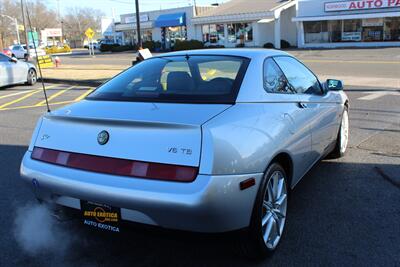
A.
x: 182, y: 151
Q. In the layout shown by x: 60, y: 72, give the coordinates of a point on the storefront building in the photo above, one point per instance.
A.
x: 166, y: 26
x: 362, y: 23
x: 243, y: 23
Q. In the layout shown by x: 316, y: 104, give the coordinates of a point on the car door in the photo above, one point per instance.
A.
x: 19, y: 71
x: 297, y: 139
x: 5, y: 70
x: 322, y: 107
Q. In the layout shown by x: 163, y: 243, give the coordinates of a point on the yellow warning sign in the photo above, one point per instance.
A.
x: 89, y: 33
x: 45, y: 62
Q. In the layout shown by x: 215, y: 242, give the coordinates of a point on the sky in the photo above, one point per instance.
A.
x: 125, y: 6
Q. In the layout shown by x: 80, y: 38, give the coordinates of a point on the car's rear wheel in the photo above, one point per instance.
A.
x: 32, y: 77
x: 269, y: 215
x: 343, y: 137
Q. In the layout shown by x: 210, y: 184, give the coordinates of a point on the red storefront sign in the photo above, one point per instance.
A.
x: 360, y: 4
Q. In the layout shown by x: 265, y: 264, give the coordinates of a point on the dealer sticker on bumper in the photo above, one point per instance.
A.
x: 101, y: 216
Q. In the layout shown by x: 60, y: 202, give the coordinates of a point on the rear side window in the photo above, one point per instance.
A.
x: 299, y: 77
x: 178, y: 79
x: 274, y: 79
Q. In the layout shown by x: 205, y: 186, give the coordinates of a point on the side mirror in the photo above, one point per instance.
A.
x: 334, y: 85
x: 14, y: 60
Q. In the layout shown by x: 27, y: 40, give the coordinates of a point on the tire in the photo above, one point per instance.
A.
x: 342, y: 139
x: 32, y: 77
x: 268, y: 213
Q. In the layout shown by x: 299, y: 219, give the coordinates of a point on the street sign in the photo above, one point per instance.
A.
x: 89, y: 33
x: 21, y: 27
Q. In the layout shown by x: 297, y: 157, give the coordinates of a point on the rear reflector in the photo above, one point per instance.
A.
x: 123, y: 167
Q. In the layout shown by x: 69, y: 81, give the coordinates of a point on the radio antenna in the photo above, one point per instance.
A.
x: 37, y: 58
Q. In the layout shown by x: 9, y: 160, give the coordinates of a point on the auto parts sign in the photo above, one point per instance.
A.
x: 361, y: 4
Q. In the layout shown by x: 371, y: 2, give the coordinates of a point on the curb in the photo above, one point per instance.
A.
x: 92, y: 83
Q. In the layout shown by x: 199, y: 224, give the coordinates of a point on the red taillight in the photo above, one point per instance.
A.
x: 116, y: 166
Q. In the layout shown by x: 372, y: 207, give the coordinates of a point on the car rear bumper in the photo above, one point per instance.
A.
x: 209, y: 204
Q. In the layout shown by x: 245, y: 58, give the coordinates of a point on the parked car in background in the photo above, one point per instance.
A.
x: 204, y: 140
x: 93, y: 45
x: 21, y: 52
x: 7, y: 52
x: 14, y: 71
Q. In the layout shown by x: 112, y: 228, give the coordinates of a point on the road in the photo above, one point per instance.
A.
x: 376, y: 67
x: 344, y: 212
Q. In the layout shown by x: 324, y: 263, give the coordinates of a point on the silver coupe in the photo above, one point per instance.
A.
x: 206, y: 141
x: 14, y: 71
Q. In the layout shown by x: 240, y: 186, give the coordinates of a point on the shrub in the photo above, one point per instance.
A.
x: 107, y: 47
x: 122, y: 48
x: 152, y: 45
x: 188, y: 45
x: 269, y: 45
x: 240, y: 45
x: 214, y: 46
x: 285, y: 44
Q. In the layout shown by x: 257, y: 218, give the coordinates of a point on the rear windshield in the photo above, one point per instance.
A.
x: 177, y: 79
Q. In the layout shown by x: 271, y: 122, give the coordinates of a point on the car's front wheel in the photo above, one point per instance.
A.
x: 343, y: 137
x: 32, y: 77
x: 269, y: 214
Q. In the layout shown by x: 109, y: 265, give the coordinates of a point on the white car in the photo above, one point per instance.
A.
x: 20, y: 51
x: 13, y: 71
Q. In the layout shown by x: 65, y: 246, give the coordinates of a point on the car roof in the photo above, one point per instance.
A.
x: 241, y: 52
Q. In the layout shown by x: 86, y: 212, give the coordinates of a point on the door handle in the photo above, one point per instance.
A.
x: 302, y: 105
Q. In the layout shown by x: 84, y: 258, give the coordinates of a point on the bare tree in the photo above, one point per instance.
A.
x: 77, y: 20
x: 41, y: 17
x: 7, y: 29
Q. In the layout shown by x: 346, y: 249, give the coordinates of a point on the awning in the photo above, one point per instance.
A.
x: 349, y: 16
x: 265, y: 20
x: 132, y: 26
x: 171, y: 20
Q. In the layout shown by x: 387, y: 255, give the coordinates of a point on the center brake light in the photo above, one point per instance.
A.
x: 115, y: 166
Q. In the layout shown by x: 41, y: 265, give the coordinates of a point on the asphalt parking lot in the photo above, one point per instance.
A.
x: 344, y: 212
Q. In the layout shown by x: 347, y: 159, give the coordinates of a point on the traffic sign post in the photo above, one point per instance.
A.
x: 89, y: 34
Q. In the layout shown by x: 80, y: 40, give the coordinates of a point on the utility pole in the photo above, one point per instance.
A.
x: 25, y: 29
x: 139, y: 36
x: 60, y: 21
x: 195, y: 7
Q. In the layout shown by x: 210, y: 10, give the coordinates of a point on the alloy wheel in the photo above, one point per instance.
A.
x: 344, y: 132
x: 274, y: 209
x: 32, y: 76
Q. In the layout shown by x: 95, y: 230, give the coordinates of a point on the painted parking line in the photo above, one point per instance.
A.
x: 43, y: 103
x: 35, y: 91
x: 18, y: 93
x: 84, y: 95
x: 376, y: 95
x: 35, y: 106
x: 54, y: 96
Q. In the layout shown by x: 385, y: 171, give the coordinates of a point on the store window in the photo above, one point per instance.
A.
x: 316, y: 31
x: 392, y: 29
x: 240, y: 33
x: 352, y: 30
x: 335, y: 31
x: 214, y: 33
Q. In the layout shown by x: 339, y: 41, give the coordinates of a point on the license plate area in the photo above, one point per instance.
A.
x: 101, y: 216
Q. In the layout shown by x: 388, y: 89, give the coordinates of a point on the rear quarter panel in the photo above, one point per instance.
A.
x: 246, y: 137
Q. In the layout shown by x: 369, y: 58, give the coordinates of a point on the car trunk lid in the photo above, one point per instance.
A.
x: 150, y: 132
